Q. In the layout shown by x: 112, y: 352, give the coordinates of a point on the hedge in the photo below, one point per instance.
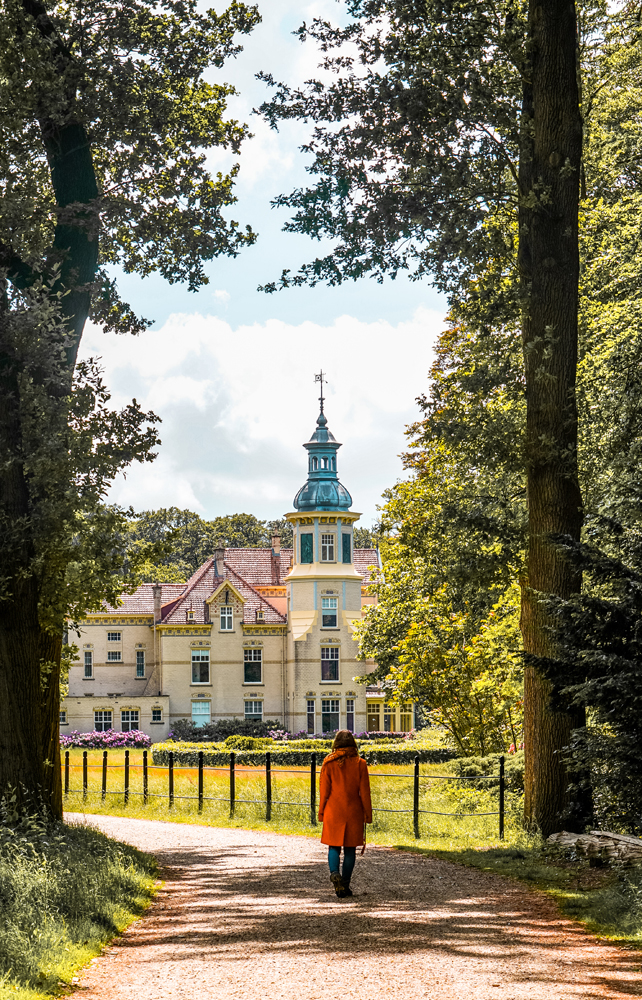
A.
x: 285, y: 754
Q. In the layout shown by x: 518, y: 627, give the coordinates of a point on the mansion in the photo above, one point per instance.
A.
x: 254, y: 633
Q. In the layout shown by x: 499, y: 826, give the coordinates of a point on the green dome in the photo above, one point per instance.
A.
x: 323, y: 491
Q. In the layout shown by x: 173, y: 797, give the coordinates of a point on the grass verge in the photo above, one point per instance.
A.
x: 65, y: 892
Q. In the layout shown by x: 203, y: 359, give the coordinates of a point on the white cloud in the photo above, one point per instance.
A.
x: 237, y: 404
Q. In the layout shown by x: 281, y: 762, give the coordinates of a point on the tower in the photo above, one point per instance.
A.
x: 324, y: 597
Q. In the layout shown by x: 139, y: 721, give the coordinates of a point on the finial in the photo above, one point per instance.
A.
x: 320, y: 378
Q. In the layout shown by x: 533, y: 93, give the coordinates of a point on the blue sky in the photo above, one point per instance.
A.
x: 230, y: 369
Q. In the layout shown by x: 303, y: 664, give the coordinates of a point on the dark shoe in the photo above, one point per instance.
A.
x: 339, y: 887
x: 348, y: 891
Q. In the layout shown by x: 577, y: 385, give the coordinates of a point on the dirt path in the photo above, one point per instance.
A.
x: 251, y: 915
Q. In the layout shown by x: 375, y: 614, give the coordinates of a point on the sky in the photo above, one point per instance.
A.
x: 230, y: 370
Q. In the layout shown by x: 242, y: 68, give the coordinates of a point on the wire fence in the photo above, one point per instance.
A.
x: 311, y: 803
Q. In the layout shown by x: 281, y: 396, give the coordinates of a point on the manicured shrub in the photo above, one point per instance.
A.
x: 108, y: 740
x: 184, y: 730
x: 295, y: 753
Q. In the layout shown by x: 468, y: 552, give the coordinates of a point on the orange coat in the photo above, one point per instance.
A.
x: 344, y: 804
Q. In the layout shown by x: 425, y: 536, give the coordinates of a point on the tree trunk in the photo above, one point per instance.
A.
x: 549, y: 269
x: 50, y: 652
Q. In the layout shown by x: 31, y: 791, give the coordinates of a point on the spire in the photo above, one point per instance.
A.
x: 322, y: 491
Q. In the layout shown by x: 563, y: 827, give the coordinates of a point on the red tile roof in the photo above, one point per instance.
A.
x: 244, y: 568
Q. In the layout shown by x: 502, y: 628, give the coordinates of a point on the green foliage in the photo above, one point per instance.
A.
x: 297, y: 753
x: 185, y: 540
x: 248, y: 743
x: 65, y: 892
x: 471, y: 767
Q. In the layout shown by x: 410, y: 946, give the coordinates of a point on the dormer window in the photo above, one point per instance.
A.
x: 260, y: 615
x: 227, y: 619
x: 190, y: 616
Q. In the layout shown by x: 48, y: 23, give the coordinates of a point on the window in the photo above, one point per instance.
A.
x: 114, y: 655
x: 63, y: 719
x: 157, y: 715
x: 190, y: 616
x: 388, y: 719
x: 329, y: 714
x: 89, y: 664
x: 315, y: 464
x: 200, y: 666
x: 346, y: 553
x: 254, y: 710
x: 330, y: 663
x: 307, y: 548
x: 405, y: 719
x: 373, y: 717
x: 113, y: 636
x: 129, y: 720
x: 350, y: 714
x: 329, y: 612
x: 252, y: 666
x: 140, y: 662
x: 201, y: 713
x: 327, y: 548
x: 311, y: 724
x: 102, y: 720
x: 227, y: 619
x: 325, y: 462
x: 260, y: 615
x: 333, y: 464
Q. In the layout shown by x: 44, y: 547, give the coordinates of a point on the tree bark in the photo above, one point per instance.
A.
x: 549, y: 269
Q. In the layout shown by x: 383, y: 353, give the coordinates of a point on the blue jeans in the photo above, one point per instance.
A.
x: 349, y: 858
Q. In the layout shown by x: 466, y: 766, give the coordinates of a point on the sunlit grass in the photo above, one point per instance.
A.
x: 392, y: 789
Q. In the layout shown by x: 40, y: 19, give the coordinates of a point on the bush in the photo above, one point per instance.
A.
x: 108, y: 740
x: 184, y: 730
x: 64, y: 892
x: 488, y: 767
x: 294, y: 753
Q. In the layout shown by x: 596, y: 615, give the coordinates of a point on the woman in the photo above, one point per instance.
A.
x: 344, y: 807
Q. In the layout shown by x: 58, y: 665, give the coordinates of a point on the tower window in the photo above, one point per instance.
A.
x: 329, y: 612
x: 89, y: 664
x: 333, y: 464
x: 325, y: 463
x: 315, y: 464
x: 200, y: 666
x: 307, y: 548
x: 330, y: 664
x: 327, y: 548
x: 346, y: 554
x: 252, y: 666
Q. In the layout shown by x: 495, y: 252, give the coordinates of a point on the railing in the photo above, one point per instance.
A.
x: 267, y: 801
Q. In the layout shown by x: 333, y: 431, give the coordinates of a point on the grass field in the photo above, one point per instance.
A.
x: 392, y: 789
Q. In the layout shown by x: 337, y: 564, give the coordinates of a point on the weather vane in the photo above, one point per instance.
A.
x: 320, y: 378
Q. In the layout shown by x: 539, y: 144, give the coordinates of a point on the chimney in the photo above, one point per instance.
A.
x: 219, y: 557
x: 157, y: 591
x: 276, y: 559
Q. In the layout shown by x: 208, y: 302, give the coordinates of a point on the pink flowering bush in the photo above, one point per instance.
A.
x: 108, y: 740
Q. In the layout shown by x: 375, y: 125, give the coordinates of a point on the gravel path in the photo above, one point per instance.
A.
x: 251, y: 915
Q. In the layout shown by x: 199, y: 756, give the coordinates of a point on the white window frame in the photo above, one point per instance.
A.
x: 226, y: 618
x: 253, y: 713
x: 104, y: 712
x: 140, y: 662
x: 63, y: 717
x: 129, y: 712
x: 329, y: 606
x: 201, y: 656
x: 114, y: 637
x: 335, y: 658
x: 331, y: 706
x: 328, y: 547
x: 249, y: 656
x: 350, y: 711
x: 114, y: 656
x: 159, y: 711
x: 205, y: 704
x: 311, y: 715
x: 89, y: 662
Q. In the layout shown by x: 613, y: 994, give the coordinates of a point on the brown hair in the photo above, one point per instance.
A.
x: 343, y: 739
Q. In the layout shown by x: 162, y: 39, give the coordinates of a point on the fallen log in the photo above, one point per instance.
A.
x: 599, y: 846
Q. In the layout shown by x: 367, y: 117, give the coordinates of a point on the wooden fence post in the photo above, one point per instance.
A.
x: 501, y: 798
x: 145, y: 779
x: 103, y: 793
x: 415, y: 805
x: 313, y: 789
x: 66, y: 772
x: 200, y: 781
x: 268, y: 787
x: 84, y: 774
x: 170, y: 777
x: 232, y: 786
x: 126, y: 795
